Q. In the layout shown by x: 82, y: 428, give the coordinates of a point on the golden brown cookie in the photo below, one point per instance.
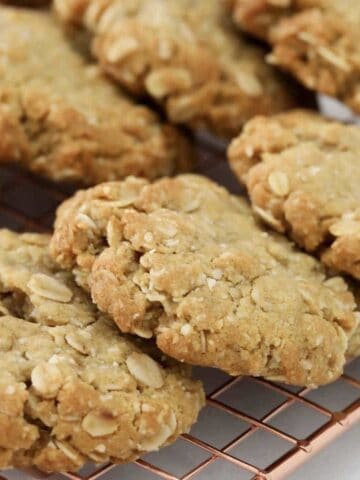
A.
x: 184, y: 261
x: 60, y: 118
x: 302, y: 173
x: 72, y: 388
x: 318, y: 41
x: 186, y: 56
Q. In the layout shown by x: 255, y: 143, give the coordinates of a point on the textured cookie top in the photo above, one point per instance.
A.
x: 72, y: 388
x: 61, y: 118
x: 185, y: 55
x: 316, y: 40
x: 256, y: 13
x: 303, y: 173
x: 184, y: 261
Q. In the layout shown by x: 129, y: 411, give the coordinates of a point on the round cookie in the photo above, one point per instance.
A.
x: 61, y: 118
x: 186, y: 56
x: 183, y: 260
x: 302, y: 173
x: 317, y: 41
x: 72, y: 388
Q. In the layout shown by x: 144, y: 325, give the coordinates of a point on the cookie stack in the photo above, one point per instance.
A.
x: 144, y: 275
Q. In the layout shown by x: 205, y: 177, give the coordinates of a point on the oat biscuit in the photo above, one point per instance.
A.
x: 72, y: 388
x: 318, y: 41
x: 184, y: 261
x: 302, y: 173
x: 59, y: 117
x: 186, y: 56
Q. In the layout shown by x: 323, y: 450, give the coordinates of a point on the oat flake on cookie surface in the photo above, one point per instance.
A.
x: 73, y: 389
x: 184, y: 261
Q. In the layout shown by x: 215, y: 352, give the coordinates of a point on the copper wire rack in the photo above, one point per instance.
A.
x: 243, y: 416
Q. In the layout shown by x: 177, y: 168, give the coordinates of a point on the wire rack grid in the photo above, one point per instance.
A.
x: 251, y: 429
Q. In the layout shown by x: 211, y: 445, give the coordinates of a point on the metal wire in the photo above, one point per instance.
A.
x: 28, y: 203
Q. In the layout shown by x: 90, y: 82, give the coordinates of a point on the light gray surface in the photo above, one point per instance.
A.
x: 339, y: 461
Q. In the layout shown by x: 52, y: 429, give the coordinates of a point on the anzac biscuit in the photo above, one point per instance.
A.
x: 318, y: 41
x: 60, y: 118
x: 302, y: 173
x: 186, y: 56
x: 72, y: 388
x: 184, y: 261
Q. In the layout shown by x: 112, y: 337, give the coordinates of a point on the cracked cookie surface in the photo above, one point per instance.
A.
x: 183, y: 260
x: 72, y: 388
x: 61, y: 118
x: 318, y: 41
x: 302, y: 173
x: 186, y: 56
